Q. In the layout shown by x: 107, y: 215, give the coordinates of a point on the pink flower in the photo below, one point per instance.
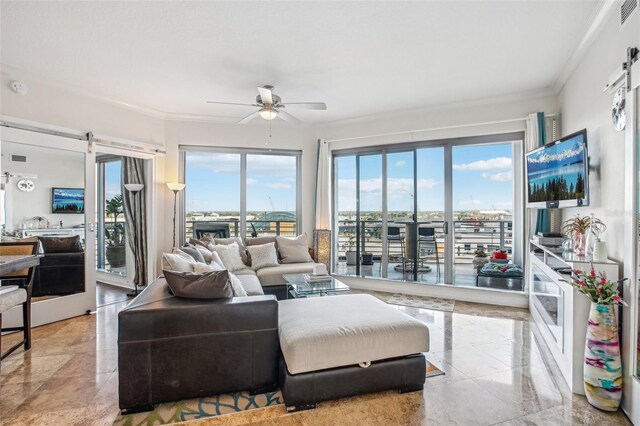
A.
x: 599, y: 290
x: 617, y: 298
x: 603, y: 280
x: 582, y: 283
x: 577, y: 271
x: 503, y: 270
x: 593, y: 272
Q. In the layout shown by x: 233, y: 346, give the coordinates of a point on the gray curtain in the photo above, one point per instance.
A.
x: 135, y: 213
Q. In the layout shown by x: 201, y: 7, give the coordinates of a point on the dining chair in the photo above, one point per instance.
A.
x: 427, y: 237
x: 15, y: 290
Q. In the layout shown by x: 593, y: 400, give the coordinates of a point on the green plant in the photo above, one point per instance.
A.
x: 581, y: 224
x: 596, y: 287
x: 480, y: 252
x: 115, y: 235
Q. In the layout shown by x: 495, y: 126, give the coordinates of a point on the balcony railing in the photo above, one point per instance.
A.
x: 469, y: 235
x: 254, y: 227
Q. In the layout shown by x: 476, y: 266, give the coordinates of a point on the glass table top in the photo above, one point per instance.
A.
x: 298, y: 287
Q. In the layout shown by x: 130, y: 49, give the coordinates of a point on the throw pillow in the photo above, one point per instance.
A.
x: 236, y: 285
x: 203, y: 242
x: 178, y: 261
x: 193, y: 252
x: 294, y: 250
x: 216, y: 261
x: 209, y: 285
x: 263, y: 255
x: 205, y: 252
x: 230, y: 256
x: 61, y: 244
x: 241, y: 247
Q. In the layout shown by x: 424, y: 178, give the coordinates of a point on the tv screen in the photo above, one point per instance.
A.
x: 67, y: 200
x: 558, y: 173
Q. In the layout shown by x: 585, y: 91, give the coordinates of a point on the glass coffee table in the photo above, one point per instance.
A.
x: 297, y: 287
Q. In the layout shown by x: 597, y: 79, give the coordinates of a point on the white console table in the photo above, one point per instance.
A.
x: 559, y: 311
x: 50, y: 232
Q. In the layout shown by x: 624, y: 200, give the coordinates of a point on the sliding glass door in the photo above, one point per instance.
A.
x: 420, y: 213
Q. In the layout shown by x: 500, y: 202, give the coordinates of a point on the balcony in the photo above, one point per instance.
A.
x: 469, y: 235
x: 259, y: 228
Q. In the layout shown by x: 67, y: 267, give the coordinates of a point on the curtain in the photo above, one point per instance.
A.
x: 323, y: 187
x: 135, y: 214
x: 537, y: 136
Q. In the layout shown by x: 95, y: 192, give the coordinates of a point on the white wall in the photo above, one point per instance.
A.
x: 583, y: 105
x: 448, y: 121
x: 54, y: 168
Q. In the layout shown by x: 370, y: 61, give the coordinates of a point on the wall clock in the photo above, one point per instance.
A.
x: 26, y: 185
x: 617, y: 110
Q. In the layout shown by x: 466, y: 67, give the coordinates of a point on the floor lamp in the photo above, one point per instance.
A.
x: 175, y: 187
x: 135, y: 188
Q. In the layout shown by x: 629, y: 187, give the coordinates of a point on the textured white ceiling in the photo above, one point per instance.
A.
x: 360, y: 58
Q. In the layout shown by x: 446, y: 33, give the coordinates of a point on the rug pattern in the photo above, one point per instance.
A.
x: 423, y: 302
x: 199, y: 408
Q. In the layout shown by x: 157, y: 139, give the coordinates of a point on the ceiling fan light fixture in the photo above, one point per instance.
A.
x: 268, y: 113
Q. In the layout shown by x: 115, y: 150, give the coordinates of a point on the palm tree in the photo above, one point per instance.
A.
x: 115, y: 253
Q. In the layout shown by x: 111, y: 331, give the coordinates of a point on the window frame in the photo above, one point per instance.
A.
x: 243, y: 152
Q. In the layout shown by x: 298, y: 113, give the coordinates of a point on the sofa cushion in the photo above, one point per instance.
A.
x: 263, y: 256
x: 245, y: 271
x: 61, y: 244
x: 294, y: 250
x: 241, y: 247
x: 230, y: 255
x: 273, y: 275
x: 204, y: 251
x: 345, y: 330
x: 258, y: 241
x: 251, y: 284
x: 178, y: 261
x: 193, y: 252
x: 190, y: 285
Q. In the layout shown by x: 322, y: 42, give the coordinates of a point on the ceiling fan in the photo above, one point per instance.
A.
x: 271, y: 106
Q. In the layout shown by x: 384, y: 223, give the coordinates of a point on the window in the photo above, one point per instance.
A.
x: 112, y: 247
x: 253, y: 192
x: 420, y: 211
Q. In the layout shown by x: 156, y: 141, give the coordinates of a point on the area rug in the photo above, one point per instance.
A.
x: 423, y: 302
x: 200, y: 408
x: 433, y: 371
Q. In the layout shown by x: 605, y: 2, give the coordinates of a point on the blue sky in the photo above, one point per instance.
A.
x: 481, y: 179
x: 112, y: 179
x: 213, y: 182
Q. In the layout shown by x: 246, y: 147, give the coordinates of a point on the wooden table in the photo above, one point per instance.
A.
x: 14, y: 263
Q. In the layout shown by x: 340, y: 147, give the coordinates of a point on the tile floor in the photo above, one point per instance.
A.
x: 496, y: 374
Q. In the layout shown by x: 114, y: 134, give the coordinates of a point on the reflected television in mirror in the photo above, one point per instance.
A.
x: 67, y: 200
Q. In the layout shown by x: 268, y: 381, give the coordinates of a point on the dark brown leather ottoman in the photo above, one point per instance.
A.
x: 339, y: 346
x: 171, y: 349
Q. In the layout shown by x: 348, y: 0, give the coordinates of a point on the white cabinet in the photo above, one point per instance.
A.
x: 63, y: 232
x: 559, y: 311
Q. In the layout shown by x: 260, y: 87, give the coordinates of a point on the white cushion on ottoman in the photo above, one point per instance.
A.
x: 327, y: 332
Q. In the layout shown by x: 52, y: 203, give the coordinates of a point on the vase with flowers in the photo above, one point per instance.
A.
x: 577, y: 227
x: 602, y: 363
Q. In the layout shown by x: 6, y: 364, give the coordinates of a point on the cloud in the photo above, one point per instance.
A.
x: 278, y: 185
x: 470, y: 203
x: 251, y: 181
x: 396, y: 187
x: 400, y: 163
x: 281, y: 166
x: 498, y: 163
x: 498, y: 177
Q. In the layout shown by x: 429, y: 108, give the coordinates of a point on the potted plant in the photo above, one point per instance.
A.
x: 576, y: 228
x: 116, y: 252
x: 349, y: 247
x: 602, y: 364
x: 480, y: 258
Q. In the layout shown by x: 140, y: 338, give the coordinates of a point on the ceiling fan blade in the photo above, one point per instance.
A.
x: 249, y: 117
x: 232, y: 103
x: 308, y: 105
x: 289, y: 118
x: 265, y: 95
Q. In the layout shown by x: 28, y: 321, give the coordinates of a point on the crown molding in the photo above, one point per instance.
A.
x: 19, y: 74
x: 594, y: 26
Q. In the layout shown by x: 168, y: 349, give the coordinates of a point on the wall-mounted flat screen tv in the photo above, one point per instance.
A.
x: 558, y: 173
x: 67, y: 200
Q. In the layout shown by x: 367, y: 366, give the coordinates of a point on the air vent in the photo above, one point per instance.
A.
x: 19, y: 158
x: 627, y: 8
